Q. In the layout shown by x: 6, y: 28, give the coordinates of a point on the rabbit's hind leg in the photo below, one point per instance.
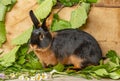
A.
x: 77, y: 62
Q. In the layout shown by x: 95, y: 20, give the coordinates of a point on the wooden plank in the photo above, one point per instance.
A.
x: 108, y: 3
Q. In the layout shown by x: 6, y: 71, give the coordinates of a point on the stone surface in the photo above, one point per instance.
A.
x: 70, y: 78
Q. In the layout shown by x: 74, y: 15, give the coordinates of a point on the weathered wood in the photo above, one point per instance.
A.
x: 103, y: 23
x: 109, y: 2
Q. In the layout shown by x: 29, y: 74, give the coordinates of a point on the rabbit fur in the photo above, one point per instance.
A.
x: 68, y: 46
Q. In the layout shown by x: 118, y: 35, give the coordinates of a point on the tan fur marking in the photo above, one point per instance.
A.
x: 45, y: 56
x: 76, y: 61
x: 66, y: 61
x: 35, y: 48
x: 49, y: 20
x: 53, y: 34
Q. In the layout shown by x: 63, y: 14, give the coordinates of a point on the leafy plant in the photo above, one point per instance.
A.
x: 44, y: 9
x: 23, y: 38
x: 2, y: 33
x: 5, y: 6
x: 59, y: 24
x: 8, y: 59
x: 105, y: 70
x: 19, y: 61
x: 78, y: 17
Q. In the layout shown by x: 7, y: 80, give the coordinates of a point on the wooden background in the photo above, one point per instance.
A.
x: 103, y: 23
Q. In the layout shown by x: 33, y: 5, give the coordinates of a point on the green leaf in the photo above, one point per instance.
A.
x: 112, y: 55
x: 90, y: 69
x: 78, y: 17
x: 44, y: 9
x: 69, y: 2
x: 112, y: 65
x: 6, y: 2
x: 91, y: 1
x: 11, y: 5
x: 23, y: 38
x: 59, y: 67
x: 2, y: 33
x: 7, y: 59
x: 3, y: 10
x: 60, y: 25
x: 101, y: 72
x: 115, y: 75
x: 21, y: 54
x: 86, y: 76
x: 54, y: 2
x: 39, y: 1
x: 21, y: 60
x: 23, y: 50
x: 1, y: 68
x: 95, y: 76
x: 32, y: 62
x: 86, y: 6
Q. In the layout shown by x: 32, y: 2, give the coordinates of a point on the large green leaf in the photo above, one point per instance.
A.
x: 60, y: 25
x: 86, y: 6
x: 115, y: 74
x: 23, y: 38
x: 44, y: 9
x: 2, y: 33
x: 78, y: 17
x: 3, y: 10
x: 5, y: 5
x: 7, y: 59
x: 101, y: 72
x: 6, y: 2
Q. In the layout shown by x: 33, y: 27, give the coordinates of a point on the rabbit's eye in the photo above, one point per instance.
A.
x: 41, y: 37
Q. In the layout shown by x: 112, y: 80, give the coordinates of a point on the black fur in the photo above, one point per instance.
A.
x: 79, y: 43
x: 35, y: 38
x: 33, y: 18
x: 68, y: 42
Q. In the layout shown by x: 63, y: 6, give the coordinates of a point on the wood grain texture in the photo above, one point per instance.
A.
x: 102, y: 23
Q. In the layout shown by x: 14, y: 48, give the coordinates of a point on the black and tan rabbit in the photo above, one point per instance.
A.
x: 69, y: 46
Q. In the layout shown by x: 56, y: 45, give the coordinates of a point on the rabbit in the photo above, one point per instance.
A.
x: 68, y: 47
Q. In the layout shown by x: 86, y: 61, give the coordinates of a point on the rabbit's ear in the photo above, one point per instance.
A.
x: 34, y: 19
x: 47, y: 22
x: 44, y: 27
